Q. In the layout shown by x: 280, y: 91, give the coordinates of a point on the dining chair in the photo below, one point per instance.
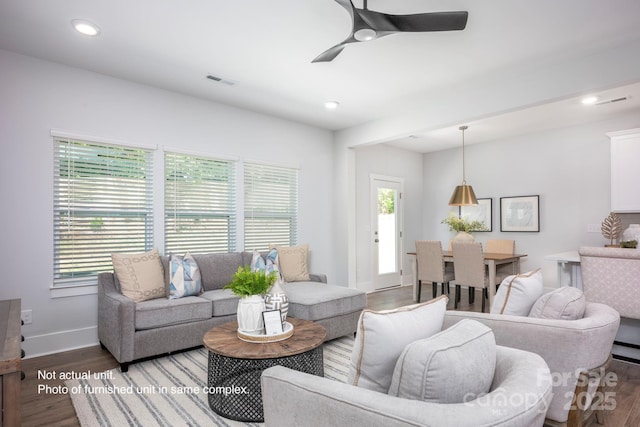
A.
x: 502, y: 246
x: 431, y: 266
x: 470, y: 271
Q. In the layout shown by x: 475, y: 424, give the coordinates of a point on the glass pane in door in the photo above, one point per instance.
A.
x: 387, y: 231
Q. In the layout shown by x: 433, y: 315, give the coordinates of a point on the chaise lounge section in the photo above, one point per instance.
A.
x: 137, y: 330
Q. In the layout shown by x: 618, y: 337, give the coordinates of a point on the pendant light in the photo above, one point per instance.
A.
x: 463, y: 195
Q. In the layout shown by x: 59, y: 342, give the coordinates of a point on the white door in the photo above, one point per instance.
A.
x: 386, y: 226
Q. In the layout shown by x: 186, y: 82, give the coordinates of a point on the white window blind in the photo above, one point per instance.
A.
x: 102, y: 204
x: 199, y: 204
x: 270, y: 206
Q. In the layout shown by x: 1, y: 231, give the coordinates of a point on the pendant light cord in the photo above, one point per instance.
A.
x: 464, y: 180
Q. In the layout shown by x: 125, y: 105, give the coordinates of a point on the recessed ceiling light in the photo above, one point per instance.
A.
x: 331, y: 105
x: 590, y: 100
x: 85, y: 27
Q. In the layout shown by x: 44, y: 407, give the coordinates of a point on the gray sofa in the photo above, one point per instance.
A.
x: 133, y: 331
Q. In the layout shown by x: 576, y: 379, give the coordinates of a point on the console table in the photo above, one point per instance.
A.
x: 10, y: 356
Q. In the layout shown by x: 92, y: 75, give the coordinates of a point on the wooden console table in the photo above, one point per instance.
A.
x: 10, y: 362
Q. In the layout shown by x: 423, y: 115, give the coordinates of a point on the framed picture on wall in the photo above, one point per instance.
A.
x: 480, y: 212
x: 520, y: 213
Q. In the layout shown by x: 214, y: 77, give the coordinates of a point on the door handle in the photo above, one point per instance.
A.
x: 376, y: 240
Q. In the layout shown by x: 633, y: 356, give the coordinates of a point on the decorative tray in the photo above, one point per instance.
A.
x: 259, y: 337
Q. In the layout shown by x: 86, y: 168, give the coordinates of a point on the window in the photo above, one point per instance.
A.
x: 102, y: 204
x: 270, y: 206
x: 199, y: 204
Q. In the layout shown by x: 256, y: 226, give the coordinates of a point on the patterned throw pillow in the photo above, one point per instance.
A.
x: 185, y: 277
x: 293, y: 262
x: 257, y: 262
x: 140, y: 275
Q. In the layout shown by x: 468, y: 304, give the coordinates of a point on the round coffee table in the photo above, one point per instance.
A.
x: 235, y: 366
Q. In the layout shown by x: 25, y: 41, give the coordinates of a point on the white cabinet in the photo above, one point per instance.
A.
x: 625, y: 170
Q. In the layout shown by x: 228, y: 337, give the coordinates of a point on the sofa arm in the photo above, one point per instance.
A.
x: 293, y: 398
x: 116, y: 319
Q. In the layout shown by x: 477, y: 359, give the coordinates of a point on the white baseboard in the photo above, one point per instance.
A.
x: 41, y: 345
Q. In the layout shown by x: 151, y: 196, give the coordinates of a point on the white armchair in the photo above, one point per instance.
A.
x: 577, y: 351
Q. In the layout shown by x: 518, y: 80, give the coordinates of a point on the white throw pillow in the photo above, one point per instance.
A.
x: 454, y: 366
x: 382, y: 335
x: 293, y: 262
x: 140, y: 275
x: 566, y: 303
x: 185, y: 277
x: 517, y: 294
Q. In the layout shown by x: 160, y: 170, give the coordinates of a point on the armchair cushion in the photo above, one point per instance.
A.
x: 140, y: 275
x: 517, y: 294
x: 454, y: 366
x: 566, y: 303
x: 382, y: 336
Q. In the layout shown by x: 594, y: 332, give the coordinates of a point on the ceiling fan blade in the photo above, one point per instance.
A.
x: 329, y: 54
x: 419, y: 22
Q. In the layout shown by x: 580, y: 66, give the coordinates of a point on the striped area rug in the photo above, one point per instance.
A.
x: 168, y: 391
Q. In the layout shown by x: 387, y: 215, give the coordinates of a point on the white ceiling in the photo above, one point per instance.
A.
x: 266, y: 48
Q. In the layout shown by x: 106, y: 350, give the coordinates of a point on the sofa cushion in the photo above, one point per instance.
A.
x: 452, y: 366
x: 315, y: 301
x: 161, y: 312
x: 223, y: 301
x: 185, y: 277
x: 382, y: 336
x: 140, y: 275
x: 517, y: 294
x: 293, y: 262
x: 565, y: 303
x: 217, y: 269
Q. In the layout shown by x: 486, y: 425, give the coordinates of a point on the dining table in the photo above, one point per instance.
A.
x: 491, y: 259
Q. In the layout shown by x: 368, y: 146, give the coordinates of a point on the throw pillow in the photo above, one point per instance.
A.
x: 185, y: 277
x: 566, y: 303
x: 517, y: 294
x: 453, y: 366
x: 273, y: 263
x: 293, y: 262
x: 140, y: 275
x: 382, y: 335
x: 257, y: 262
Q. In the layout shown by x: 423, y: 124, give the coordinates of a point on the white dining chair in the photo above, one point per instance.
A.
x: 431, y: 266
x: 470, y: 271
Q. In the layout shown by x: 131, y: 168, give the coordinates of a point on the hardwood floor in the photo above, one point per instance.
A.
x: 42, y: 407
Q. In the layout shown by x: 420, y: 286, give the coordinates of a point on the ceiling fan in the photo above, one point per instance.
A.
x: 370, y: 25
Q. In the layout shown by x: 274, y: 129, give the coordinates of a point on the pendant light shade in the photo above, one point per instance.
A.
x: 463, y: 195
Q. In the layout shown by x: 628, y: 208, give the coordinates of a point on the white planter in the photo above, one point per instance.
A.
x: 250, y: 314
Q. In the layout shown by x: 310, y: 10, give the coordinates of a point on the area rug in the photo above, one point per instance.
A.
x: 169, y: 391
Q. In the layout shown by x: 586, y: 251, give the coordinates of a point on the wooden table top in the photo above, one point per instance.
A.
x: 487, y: 255
x: 224, y: 340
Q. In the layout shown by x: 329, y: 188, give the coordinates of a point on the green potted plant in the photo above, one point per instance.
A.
x: 250, y: 286
x: 463, y: 226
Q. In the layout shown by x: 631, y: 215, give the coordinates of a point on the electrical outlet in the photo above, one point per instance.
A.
x: 26, y: 316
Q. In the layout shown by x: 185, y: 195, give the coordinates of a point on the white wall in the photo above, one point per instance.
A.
x: 393, y: 162
x: 568, y: 168
x: 37, y: 96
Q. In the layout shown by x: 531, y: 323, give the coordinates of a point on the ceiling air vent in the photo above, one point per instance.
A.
x: 611, y: 101
x: 220, y: 80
